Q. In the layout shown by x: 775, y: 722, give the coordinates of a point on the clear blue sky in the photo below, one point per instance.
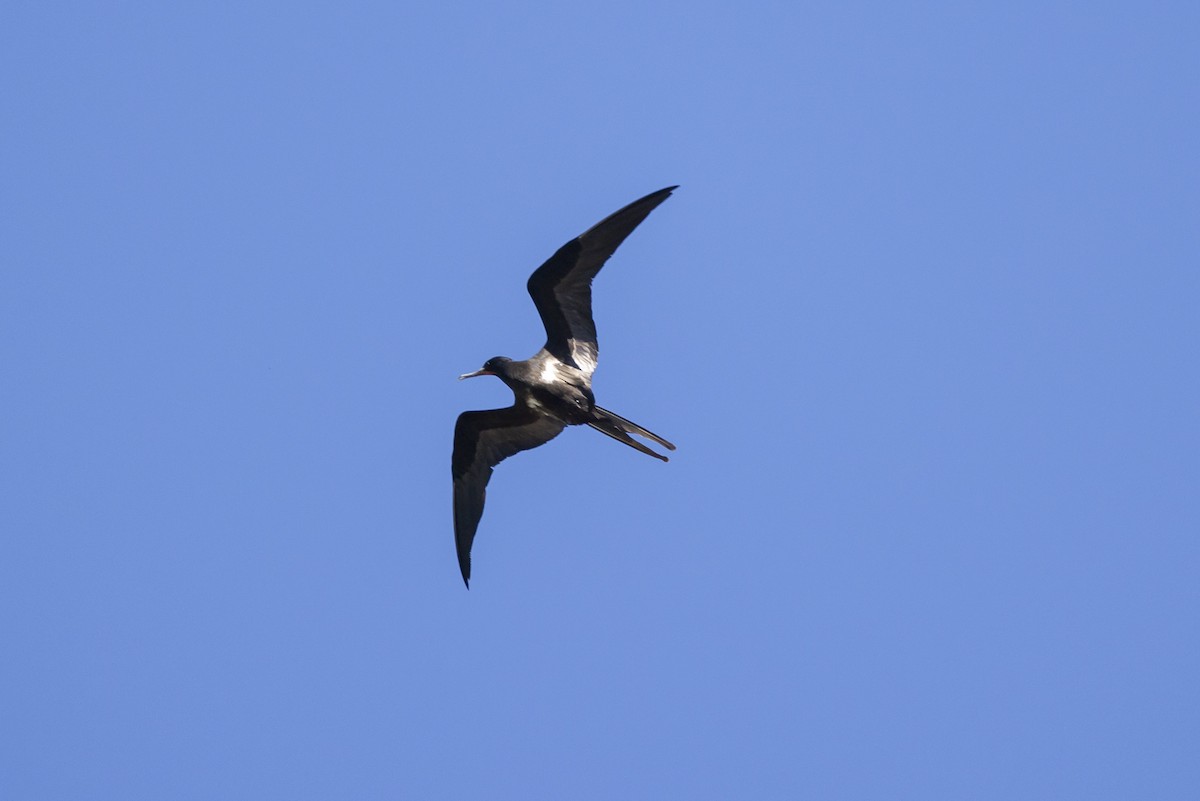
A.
x: 923, y: 320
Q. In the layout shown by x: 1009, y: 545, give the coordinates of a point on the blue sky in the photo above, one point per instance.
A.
x: 922, y: 320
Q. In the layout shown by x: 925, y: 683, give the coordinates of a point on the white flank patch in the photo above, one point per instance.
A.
x: 549, y: 372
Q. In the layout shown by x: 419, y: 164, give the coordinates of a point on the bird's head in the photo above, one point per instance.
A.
x: 497, y: 365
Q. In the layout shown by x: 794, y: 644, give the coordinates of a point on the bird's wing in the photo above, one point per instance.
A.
x: 562, y: 287
x: 481, y: 441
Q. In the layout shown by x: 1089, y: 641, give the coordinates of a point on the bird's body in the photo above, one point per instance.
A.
x: 553, y: 388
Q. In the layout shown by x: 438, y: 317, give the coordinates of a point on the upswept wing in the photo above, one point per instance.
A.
x: 481, y: 441
x: 562, y: 287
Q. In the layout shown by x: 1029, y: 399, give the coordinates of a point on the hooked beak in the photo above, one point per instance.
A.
x: 477, y: 372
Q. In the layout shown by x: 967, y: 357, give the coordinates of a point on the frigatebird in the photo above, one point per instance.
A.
x: 553, y: 388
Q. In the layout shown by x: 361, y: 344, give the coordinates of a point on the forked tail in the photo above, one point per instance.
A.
x: 617, y: 427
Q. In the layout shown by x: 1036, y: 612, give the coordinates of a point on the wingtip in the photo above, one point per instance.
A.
x: 658, y: 194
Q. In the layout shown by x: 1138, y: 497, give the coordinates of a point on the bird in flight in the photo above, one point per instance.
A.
x: 552, y: 388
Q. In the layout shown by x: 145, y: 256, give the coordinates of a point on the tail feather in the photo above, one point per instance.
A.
x: 619, y: 428
x: 634, y: 428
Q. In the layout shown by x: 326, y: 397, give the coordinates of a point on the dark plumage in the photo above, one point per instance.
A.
x: 553, y: 388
